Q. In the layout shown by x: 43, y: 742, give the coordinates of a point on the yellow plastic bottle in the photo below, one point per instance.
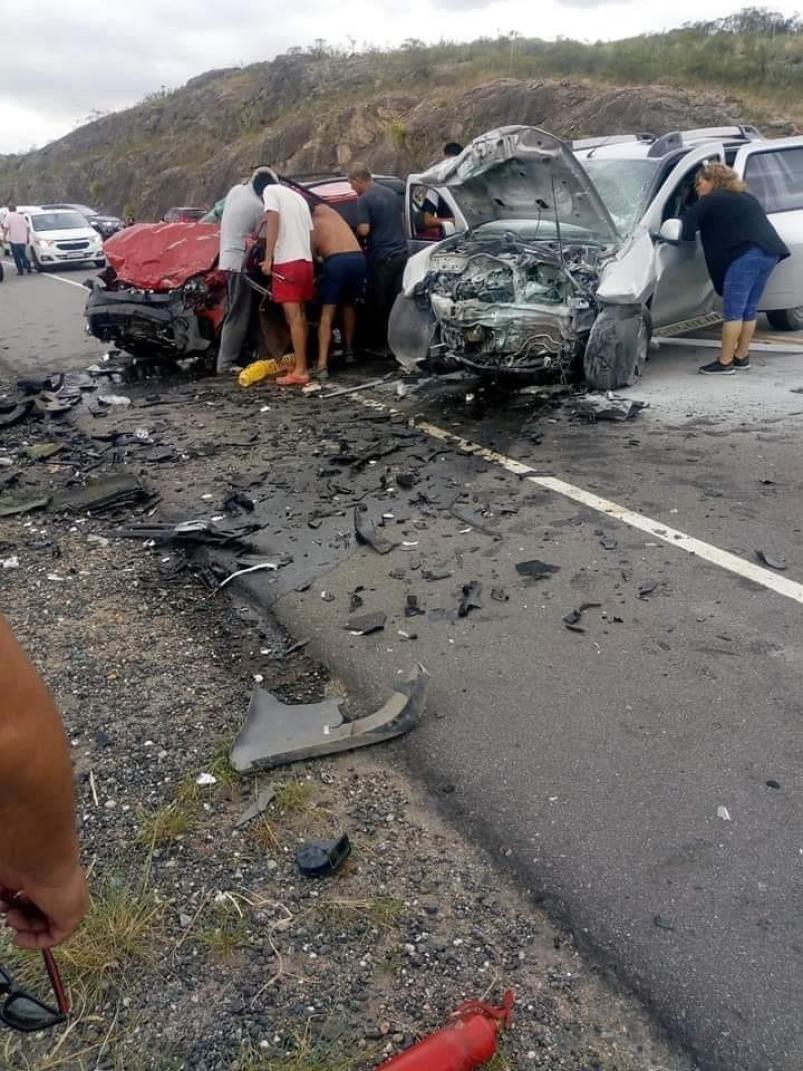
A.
x: 259, y: 370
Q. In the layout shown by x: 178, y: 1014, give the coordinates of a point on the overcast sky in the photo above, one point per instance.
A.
x: 63, y: 60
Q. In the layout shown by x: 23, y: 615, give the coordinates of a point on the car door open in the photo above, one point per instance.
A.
x: 683, y: 287
x: 773, y: 172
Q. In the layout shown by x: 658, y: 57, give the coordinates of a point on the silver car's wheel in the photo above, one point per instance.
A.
x: 617, y: 347
x: 786, y: 319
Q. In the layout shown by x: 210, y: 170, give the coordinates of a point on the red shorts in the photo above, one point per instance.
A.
x: 293, y: 281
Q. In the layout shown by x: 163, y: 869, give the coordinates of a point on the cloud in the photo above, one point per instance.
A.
x: 591, y: 3
x: 77, y: 59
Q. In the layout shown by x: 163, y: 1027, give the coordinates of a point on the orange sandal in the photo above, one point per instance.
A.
x: 294, y: 379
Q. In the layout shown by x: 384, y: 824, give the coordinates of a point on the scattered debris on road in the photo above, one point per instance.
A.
x: 322, y: 858
x: 263, y: 800
x: 365, y: 624
x: 535, y: 569
x: 469, y: 1041
x: 470, y: 598
x: 774, y: 561
x: 275, y: 733
x: 574, y: 617
x: 367, y: 534
x: 592, y: 408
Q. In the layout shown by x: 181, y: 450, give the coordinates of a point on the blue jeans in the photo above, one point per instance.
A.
x: 745, y: 281
x: 20, y: 257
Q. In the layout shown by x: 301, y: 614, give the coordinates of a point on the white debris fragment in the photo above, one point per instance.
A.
x: 206, y: 779
x: 250, y: 569
x: 723, y: 813
x: 12, y: 562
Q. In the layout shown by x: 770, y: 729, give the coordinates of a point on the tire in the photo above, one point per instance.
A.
x: 786, y: 319
x: 100, y: 263
x: 617, y: 347
x: 36, y: 263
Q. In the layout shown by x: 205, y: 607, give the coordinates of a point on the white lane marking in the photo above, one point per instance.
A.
x: 48, y: 275
x: 791, y: 589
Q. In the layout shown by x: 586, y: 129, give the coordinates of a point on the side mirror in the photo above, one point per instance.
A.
x: 671, y: 231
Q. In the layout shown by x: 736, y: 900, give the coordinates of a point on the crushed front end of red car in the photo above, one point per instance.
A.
x: 161, y: 294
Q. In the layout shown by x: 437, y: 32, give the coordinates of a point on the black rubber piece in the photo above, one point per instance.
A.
x: 320, y: 858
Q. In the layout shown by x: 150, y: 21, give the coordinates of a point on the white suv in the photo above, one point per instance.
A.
x: 62, y: 237
x: 566, y: 257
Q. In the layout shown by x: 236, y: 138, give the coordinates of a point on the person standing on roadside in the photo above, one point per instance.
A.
x: 38, y: 843
x: 17, y: 233
x: 341, y: 282
x: 242, y: 214
x: 288, y: 260
x: 379, y: 222
x: 741, y: 249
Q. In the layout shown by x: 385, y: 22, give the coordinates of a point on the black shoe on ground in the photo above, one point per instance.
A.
x: 717, y: 369
x: 741, y: 363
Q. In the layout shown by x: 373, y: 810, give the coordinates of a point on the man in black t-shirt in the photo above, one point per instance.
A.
x: 380, y: 225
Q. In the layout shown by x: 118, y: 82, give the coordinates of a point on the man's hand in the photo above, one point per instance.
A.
x: 46, y: 915
x: 266, y: 266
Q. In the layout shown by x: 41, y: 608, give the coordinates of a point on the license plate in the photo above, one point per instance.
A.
x: 79, y: 255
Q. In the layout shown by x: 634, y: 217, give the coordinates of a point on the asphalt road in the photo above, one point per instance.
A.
x: 642, y: 777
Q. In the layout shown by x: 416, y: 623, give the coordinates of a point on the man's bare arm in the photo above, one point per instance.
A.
x: 271, y: 237
x: 38, y: 843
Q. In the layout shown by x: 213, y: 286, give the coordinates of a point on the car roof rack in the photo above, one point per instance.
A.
x: 676, y: 139
x: 610, y: 139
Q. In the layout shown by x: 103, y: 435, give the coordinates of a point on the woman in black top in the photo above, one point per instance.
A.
x: 741, y: 249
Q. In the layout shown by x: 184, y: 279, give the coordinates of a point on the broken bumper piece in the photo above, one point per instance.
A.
x: 106, y: 493
x: 200, y: 531
x: 276, y: 734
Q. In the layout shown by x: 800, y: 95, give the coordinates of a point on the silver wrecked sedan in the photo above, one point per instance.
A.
x: 562, y: 259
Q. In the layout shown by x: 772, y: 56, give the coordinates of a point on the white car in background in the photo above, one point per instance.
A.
x: 61, y: 237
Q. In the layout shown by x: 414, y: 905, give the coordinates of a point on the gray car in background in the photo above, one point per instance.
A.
x: 562, y: 259
x: 103, y: 223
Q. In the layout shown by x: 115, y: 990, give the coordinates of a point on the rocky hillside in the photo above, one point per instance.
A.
x: 309, y: 113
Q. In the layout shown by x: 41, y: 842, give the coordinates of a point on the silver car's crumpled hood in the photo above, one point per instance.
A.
x: 521, y: 172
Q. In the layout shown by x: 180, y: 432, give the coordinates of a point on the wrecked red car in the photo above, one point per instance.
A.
x: 162, y: 295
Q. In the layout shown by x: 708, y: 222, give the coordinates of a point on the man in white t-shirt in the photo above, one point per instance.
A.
x: 288, y: 260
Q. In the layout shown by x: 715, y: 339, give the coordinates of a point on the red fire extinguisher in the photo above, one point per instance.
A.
x: 468, y: 1042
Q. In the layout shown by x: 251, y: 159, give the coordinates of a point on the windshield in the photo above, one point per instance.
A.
x: 624, y: 186
x: 58, y: 221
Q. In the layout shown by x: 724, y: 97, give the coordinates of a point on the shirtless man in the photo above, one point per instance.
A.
x: 342, y: 279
